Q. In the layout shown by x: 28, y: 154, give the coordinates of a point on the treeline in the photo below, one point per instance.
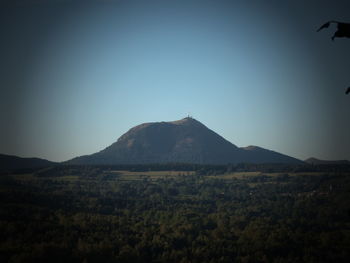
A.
x: 246, y: 167
x: 199, y: 168
x: 64, y: 170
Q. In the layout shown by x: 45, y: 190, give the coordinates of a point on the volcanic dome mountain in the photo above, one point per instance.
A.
x: 182, y: 141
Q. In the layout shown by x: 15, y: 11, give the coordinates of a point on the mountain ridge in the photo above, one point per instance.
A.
x: 182, y: 141
x: 12, y: 162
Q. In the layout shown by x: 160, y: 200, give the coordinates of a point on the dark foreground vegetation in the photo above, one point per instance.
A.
x: 97, y: 214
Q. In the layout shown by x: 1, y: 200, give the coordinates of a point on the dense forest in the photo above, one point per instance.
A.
x: 198, y: 214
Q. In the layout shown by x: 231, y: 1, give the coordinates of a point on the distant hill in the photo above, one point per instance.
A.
x: 315, y: 161
x: 183, y: 141
x: 11, y: 163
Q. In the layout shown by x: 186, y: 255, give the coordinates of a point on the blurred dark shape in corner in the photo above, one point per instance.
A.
x: 343, y: 29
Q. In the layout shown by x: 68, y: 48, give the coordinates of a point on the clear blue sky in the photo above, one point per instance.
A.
x: 75, y: 76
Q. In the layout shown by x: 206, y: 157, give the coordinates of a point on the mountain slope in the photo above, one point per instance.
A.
x: 255, y: 154
x: 10, y: 162
x: 182, y: 141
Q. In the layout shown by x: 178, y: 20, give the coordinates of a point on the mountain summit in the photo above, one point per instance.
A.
x: 183, y: 141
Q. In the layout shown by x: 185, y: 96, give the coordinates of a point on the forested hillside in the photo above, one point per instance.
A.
x: 87, y: 214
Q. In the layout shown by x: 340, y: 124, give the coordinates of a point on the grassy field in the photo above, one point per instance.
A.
x: 235, y: 175
x: 152, y: 175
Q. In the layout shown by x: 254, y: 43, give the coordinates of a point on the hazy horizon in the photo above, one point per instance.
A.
x: 77, y: 75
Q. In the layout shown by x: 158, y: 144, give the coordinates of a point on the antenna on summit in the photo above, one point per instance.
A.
x: 189, y: 116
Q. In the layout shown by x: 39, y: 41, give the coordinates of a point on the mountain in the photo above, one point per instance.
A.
x: 182, y: 141
x: 10, y: 163
x: 316, y: 161
x: 260, y: 155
